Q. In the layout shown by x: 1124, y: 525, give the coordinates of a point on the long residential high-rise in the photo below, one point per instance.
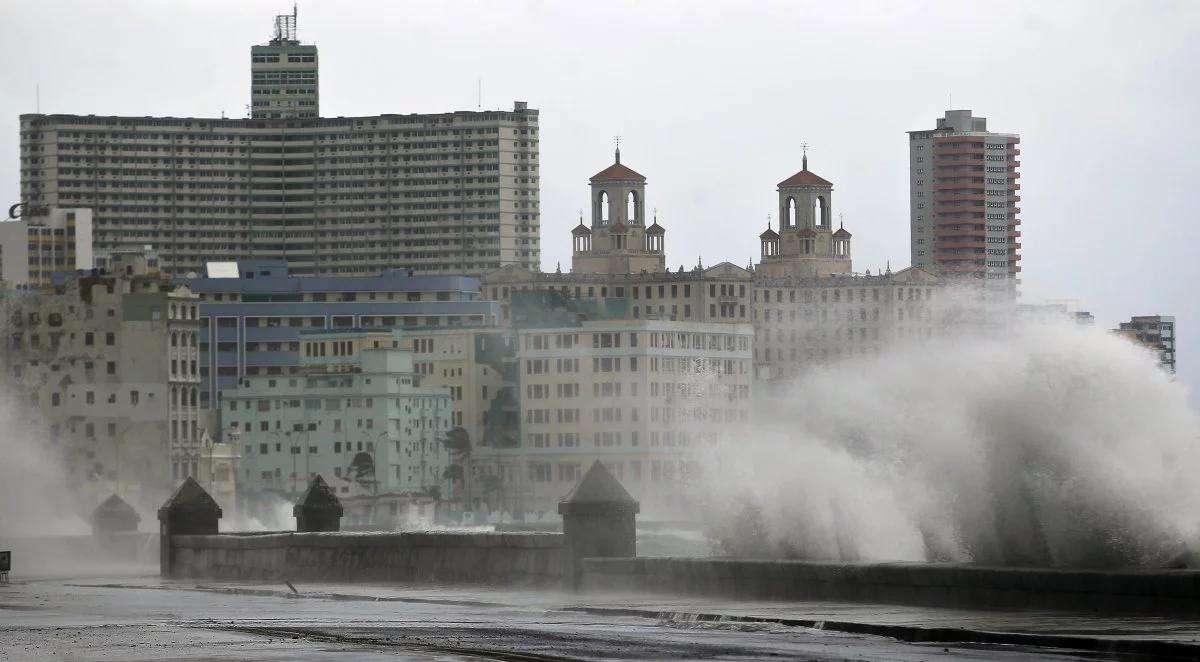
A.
x: 964, y: 195
x: 444, y: 193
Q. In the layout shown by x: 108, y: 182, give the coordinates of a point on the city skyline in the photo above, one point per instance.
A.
x: 702, y: 177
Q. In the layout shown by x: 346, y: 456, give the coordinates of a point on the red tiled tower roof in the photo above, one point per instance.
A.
x: 804, y: 178
x: 617, y: 172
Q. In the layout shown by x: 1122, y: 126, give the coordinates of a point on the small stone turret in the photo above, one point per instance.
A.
x: 114, y: 515
x: 598, y: 521
x: 190, y: 511
x: 319, y: 509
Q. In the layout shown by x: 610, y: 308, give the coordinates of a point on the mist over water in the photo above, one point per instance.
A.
x: 1053, y: 444
x: 36, y: 498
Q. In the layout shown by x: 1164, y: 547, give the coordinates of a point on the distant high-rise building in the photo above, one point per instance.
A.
x: 443, y: 193
x: 283, y: 75
x: 1156, y: 332
x: 963, y: 180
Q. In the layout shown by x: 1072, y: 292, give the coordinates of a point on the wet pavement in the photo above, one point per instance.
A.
x: 143, y: 618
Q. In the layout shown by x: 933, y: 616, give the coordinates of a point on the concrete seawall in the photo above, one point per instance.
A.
x: 1175, y: 592
x: 528, y: 559
x: 51, y: 555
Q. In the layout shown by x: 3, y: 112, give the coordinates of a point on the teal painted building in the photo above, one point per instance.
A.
x: 356, y: 413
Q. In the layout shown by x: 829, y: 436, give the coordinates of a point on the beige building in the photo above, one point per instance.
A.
x: 469, y: 363
x: 800, y: 323
x: 806, y: 245
x: 638, y: 395
x: 107, y: 364
x: 43, y: 241
x: 805, y: 301
x: 618, y: 241
x: 441, y: 194
x: 618, y: 266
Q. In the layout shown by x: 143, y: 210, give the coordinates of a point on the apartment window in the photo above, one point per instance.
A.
x: 110, y: 339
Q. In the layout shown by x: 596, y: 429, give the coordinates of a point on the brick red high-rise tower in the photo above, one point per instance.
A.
x: 964, y: 197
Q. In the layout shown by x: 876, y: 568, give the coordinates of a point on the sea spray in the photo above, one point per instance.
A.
x: 1048, y: 443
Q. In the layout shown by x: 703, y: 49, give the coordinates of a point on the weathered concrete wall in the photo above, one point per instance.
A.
x: 944, y: 585
x: 59, y: 555
x: 535, y: 559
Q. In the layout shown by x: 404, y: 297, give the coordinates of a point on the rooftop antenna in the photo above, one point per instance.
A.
x: 285, y: 26
x: 37, y: 98
x: 617, y: 141
x: 479, y: 96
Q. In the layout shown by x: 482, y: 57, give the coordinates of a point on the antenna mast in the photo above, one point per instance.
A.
x: 285, y: 26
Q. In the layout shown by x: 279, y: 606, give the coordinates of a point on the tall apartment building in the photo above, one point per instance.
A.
x: 445, y: 193
x: 283, y: 75
x: 964, y: 195
x: 252, y: 313
x: 638, y: 395
x: 107, y: 364
x: 1156, y: 332
x: 45, y: 241
x: 356, y: 414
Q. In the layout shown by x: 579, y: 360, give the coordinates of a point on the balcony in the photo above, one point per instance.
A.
x: 970, y: 267
x: 975, y: 149
x: 948, y: 245
x: 958, y: 197
x: 945, y: 184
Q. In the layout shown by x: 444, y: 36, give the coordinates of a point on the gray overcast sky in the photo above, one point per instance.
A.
x: 713, y: 100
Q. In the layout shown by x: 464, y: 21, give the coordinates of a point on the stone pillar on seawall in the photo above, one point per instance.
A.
x: 319, y: 509
x: 599, y: 518
x: 190, y: 511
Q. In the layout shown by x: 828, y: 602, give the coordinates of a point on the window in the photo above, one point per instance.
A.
x: 110, y: 339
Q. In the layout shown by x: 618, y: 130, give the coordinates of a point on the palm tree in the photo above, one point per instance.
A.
x: 458, y: 442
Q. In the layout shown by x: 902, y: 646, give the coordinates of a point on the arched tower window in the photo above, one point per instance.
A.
x: 789, y: 213
x: 631, y: 205
x: 604, y: 206
x: 819, y: 218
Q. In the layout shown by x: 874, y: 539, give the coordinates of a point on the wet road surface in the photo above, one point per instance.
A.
x: 143, y: 618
